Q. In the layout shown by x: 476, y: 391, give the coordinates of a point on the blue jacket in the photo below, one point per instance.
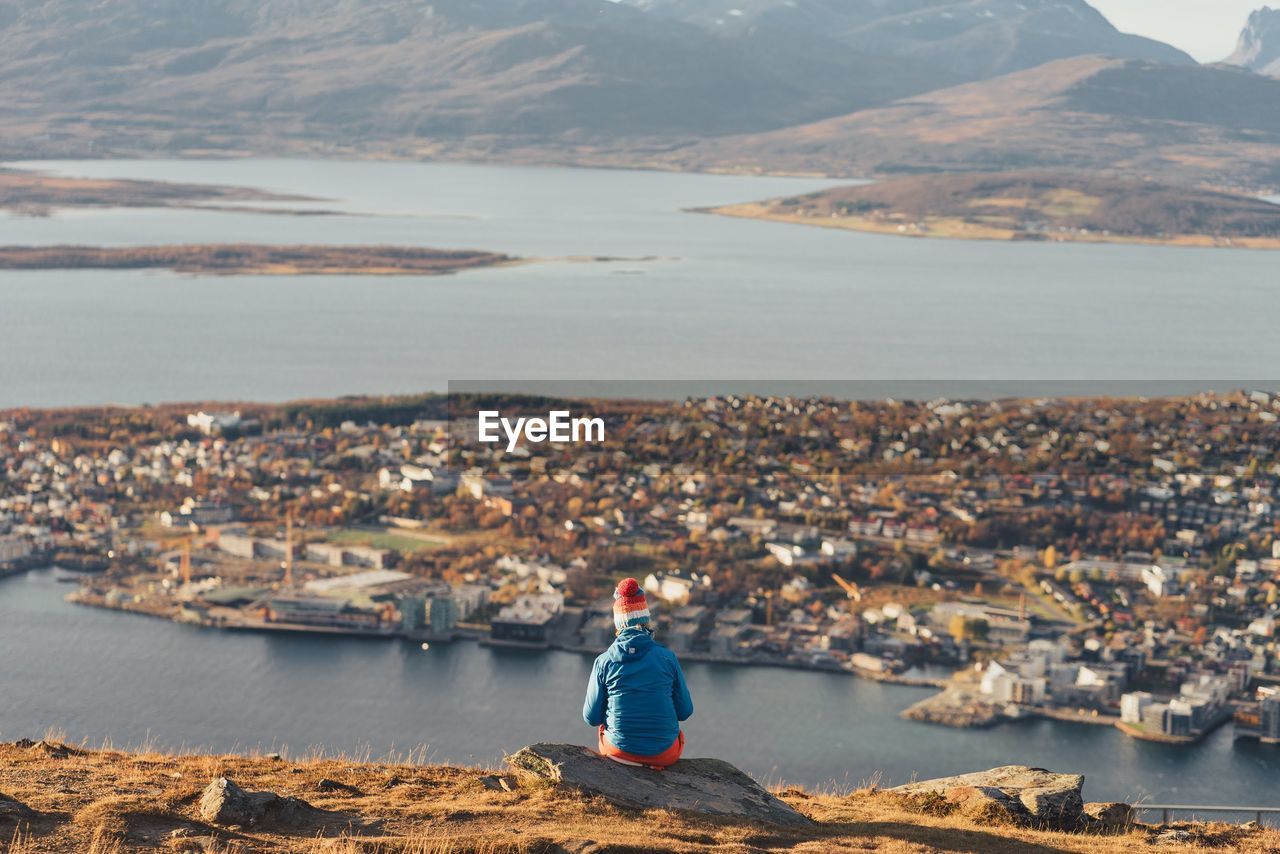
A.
x: 637, y: 690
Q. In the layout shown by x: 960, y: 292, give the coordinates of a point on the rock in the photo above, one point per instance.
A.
x: 223, y: 802
x: 705, y: 786
x: 327, y: 785
x: 985, y: 803
x: 1109, y: 815
x: 1058, y: 803
x: 1171, y: 837
x: 499, y: 783
x: 1031, y: 795
x: 13, y: 811
x: 49, y: 748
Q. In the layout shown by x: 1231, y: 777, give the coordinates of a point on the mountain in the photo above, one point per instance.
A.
x: 961, y: 40
x: 1183, y: 124
x: 834, y: 86
x: 199, y: 74
x: 1259, y: 45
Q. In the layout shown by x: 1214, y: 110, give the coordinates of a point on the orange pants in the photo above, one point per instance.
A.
x: 665, y: 759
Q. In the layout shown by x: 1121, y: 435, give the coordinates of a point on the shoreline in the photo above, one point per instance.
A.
x: 470, y: 633
x: 955, y: 230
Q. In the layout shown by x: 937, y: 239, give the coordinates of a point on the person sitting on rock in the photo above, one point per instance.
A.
x: 637, y: 695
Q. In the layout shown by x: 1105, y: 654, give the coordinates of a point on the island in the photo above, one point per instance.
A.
x: 254, y: 259
x: 1040, y: 206
x: 29, y: 193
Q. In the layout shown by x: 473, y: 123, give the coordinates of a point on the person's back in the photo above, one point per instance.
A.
x: 637, y: 696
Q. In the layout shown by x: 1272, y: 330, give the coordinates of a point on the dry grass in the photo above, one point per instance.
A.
x: 108, y: 802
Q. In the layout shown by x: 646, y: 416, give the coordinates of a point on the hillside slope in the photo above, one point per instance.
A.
x: 962, y: 39
x: 57, y: 799
x: 1193, y: 124
x: 405, y: 77
x: 139, y: 75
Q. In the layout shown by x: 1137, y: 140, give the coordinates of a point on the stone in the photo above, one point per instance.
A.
x: 327, y: 785
x: 985, y: 803
x: 496, y: 782
x: 1109, y: 815
x: 52, y: 749
x: 1171, y: 837
x: 703, y: 786
x: 1030, y: 795
x: 13, y: 810
x: 1058, y: 803
x: 225, y: 803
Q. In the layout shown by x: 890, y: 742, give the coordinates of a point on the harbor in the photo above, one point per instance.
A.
x: 175, y: 685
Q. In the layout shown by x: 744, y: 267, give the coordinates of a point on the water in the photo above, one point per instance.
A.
x: 731, y: 299
x: 105, y: 675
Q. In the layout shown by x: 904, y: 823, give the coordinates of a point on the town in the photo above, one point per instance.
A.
x: 1110, y: 562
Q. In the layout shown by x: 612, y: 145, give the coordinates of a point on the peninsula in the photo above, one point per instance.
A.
x: 253, y: 259
x: 1041, y: 206
x: 30, y: 193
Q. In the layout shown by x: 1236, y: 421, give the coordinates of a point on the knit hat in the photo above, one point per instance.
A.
x: 630, y: 608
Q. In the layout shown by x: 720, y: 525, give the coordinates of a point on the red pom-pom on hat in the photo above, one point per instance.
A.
x: 627, y: 587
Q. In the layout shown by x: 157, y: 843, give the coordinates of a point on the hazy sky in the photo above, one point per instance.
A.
x: 1206, y: 29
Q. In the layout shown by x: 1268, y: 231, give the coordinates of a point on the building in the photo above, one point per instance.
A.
x: 727, y: 639
x: 321, y: 612
x: 1004, y: 626
x: 237, y: 543
x: 214, y: 423
x: 469, y: 599
x: 14, y: 548
x: 1133, y: 705
x: 677, y: 588
x: 356, y: 581
x: 838, y: 549
x: 528, y: 619
x: 437, y: 614
x: 1261, y: 719
x: 198, y: 513
x: 789, y: 555
x: 538, y: 568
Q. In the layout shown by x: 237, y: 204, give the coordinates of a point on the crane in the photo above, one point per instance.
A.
x: 288, y: 549
x: 850, y: 589
x: 185, y: 564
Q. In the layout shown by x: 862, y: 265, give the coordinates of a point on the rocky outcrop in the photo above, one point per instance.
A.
x: 225, y: 803
x: 1021, y: 794
x: 1259, y: 45
x: 52, y: 749
x: 1109, y: 815
x: 703, y: 786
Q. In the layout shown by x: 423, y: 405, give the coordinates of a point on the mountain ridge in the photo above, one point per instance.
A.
x: 1258, y: 48
x: 225, y: 75
x: 1203, y: 125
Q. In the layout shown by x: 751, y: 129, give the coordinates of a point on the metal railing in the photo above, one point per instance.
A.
x: 1166, y: 810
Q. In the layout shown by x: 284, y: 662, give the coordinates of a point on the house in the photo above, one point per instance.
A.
x: 677, y: 588
x: 214, y: 423
x: 197, y: 513
x: 839, y: 549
